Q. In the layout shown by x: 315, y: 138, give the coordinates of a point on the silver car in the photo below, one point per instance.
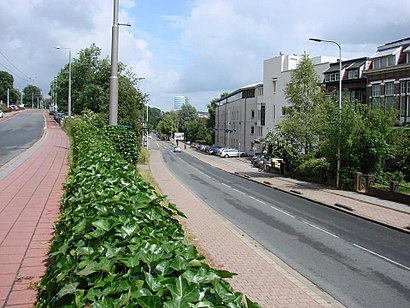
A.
x: 225, y: 153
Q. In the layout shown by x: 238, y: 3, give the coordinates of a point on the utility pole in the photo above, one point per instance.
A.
x: 113, y: 104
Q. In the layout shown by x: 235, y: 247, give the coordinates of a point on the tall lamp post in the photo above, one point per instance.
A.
x: 340, y: 105
x: 69, y: 77
x: 113, y: 104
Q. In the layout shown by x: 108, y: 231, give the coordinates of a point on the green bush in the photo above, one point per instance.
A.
x: 312, y: 167
x: 117, y: 242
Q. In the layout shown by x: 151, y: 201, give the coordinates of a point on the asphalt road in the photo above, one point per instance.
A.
x: 360, y: 263
x: 19, y: 133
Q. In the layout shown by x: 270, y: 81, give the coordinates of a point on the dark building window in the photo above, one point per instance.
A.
x: 262, y: 115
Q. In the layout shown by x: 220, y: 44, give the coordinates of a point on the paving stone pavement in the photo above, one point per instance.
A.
x: 30, y: 191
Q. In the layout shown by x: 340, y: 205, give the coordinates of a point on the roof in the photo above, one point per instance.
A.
x: 407, y: 49
x: 386, y: 52
x: 356, y: 65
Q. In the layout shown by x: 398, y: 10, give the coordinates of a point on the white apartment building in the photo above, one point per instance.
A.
x: 276, y: 75
x: 247, y: 114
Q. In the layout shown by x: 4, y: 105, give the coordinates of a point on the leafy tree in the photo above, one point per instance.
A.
x: 185, y: 117
x: 167, y: 126
x: 89, y: 81
x: 305, y: 95
x: 155, y: 116
x: 276, y: 144
x: 6, y: 82
x: 197, y: 131
x: 367, y: 136
x: 31, y: 93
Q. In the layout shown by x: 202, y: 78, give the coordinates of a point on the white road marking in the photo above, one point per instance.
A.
x: 283, y: 212
x: 383, y: 257
x: 320, y: 229
x: 256, y: 199
x: 238, y: 191
x: 226, y: 185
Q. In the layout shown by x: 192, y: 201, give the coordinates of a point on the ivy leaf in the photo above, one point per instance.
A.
x: 183, y: 293
x: 149, y: 301
x: 102, y: 224
x: 70, y: 288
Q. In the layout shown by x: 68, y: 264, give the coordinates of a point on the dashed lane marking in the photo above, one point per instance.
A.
x: 382, y: 257
x: 282, y: 211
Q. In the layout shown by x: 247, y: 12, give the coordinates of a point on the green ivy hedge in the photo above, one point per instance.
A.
x: 117, y: 242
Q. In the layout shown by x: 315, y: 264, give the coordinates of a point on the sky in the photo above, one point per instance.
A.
x: 195, y: 48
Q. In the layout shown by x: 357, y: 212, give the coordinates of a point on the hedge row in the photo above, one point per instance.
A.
x: 117, y: 242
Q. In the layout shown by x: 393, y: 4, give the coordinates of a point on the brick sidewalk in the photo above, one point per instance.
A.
x: 29, y: 205
x: 261, y: 276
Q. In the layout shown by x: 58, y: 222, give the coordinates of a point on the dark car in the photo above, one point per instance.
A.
x: 214, y: 150
x: 258, y: 160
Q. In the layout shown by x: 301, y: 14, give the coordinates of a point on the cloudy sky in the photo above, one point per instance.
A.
x: 196, y: 48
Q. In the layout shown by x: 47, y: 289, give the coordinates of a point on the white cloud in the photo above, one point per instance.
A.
x: 197, y: 48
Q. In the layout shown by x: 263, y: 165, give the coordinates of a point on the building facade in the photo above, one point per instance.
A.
x: 353, y: 79
x: 388, y: 78
x: 277, y: 73
x: 180, y: 101
x: 236, y: 118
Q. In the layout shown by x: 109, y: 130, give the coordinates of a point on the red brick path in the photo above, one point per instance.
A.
x: 29, y: 204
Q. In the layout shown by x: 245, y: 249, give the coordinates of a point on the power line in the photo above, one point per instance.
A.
x: 27, y: 78
x: 13, y: 73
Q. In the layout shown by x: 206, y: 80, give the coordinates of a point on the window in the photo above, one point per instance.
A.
x: 332, y: 77
x: 376, y: 90
x: 389, y: 89
x: 353, y: 74
x: 252, y: 114
x: 376, y: 95
x: 389, y: 95
x: 274, y: 86
x: 356, y: 95
x: 248, y: 93
x: 408, y: 57
x: 252, y: 130
x: 384, y: 62
x: 262, y: 115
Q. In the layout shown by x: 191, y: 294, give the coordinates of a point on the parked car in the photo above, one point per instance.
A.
x: 213, y: 150
x: 14, y: 108
x: 258, y: 161
x: 59, y: 116
x: 177, y: 149
x: 1, y: 114
x: 232, y: 153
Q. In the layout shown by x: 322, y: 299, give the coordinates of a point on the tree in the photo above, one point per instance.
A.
x: 31, y: 93
x: 185, y: 117
x: 367, y: 136
x: 276, y: 144
x: 6, y: 82
x: 305, y: 95
x: 167, y: 126
x: 155, y: 116
x: 198, y: 132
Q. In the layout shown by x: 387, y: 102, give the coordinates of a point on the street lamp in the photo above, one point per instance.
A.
x: 113, y: 103
x: 69, y: 77
x: 340, y: 105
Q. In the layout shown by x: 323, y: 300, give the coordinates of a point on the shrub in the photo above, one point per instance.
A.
x: 117, y: 242
x: 312, y: 167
